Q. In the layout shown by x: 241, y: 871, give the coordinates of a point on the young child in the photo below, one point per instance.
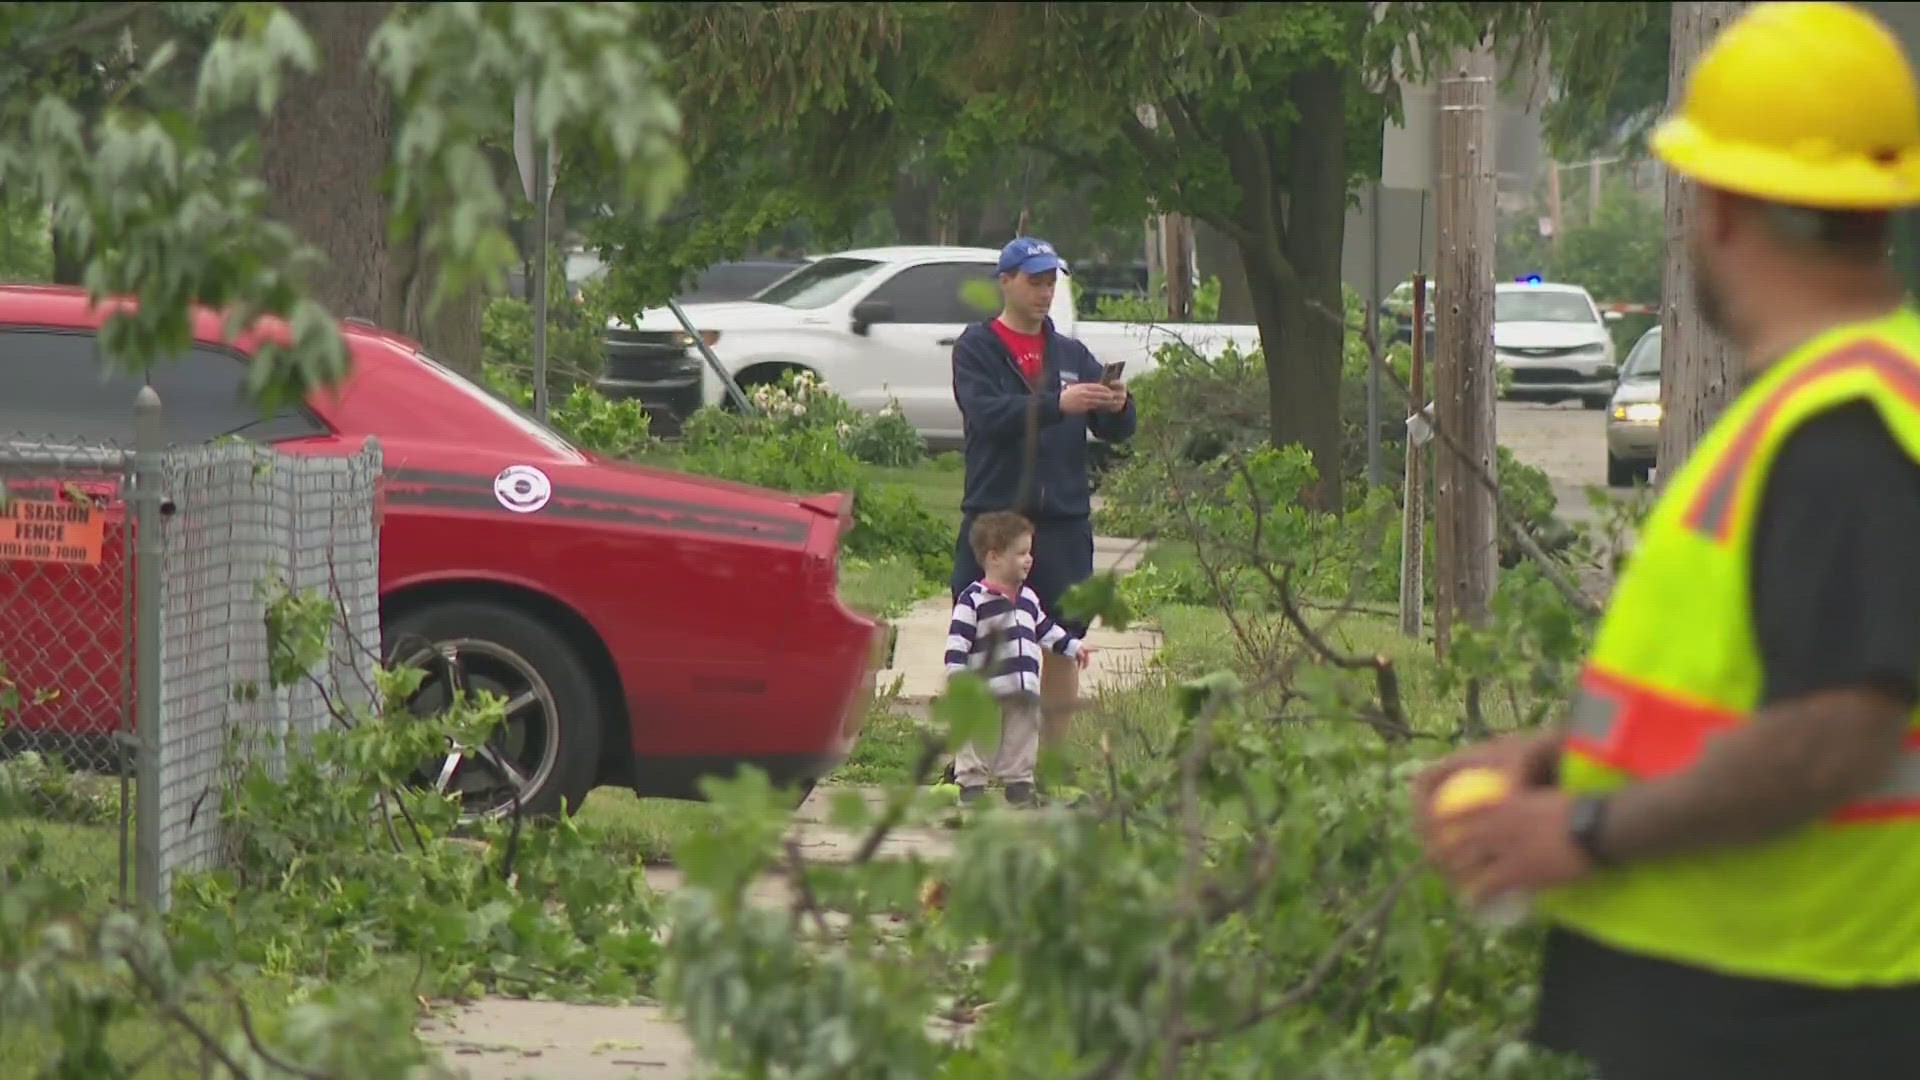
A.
x: 1000, y: 612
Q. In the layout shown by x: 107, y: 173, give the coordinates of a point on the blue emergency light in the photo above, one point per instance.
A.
x: 1529, y: 279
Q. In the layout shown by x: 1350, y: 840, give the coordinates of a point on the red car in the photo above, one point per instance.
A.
x: 647, y: 628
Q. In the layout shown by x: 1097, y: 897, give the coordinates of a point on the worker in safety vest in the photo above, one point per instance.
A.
x: 1723, y: 841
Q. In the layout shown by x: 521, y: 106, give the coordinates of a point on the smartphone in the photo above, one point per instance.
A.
x: 1110, y: 373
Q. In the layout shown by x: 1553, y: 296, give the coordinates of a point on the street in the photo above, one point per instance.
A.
x: 1566, y: 441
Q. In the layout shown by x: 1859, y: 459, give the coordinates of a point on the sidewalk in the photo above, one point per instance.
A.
x: 496, y: 1038
x: 922, y: 642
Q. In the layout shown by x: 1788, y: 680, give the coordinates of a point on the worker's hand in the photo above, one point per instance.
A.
x: 1528, y: 758
x: 1086, y: 397
x: 1517, y: 844
x: 1085, y: 655
x: 1119, y: 397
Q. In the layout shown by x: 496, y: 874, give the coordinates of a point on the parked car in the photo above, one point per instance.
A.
x: 651, y: 628
x: 877, y: 325
x: 1554, y: 342
x: 726, y: 282
x: 579, y: 266
x: 1633, y: 414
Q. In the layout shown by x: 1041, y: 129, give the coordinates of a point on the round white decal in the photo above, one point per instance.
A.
x: 522, y: 488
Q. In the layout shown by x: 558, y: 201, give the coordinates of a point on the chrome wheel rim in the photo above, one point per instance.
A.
x: 519, y: 756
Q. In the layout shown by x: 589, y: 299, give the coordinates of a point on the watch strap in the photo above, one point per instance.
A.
x: 1589, y: 816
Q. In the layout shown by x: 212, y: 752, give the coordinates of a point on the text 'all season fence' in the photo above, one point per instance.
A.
x: 135, y: 586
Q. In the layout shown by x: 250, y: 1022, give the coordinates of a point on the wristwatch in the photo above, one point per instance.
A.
x: 1589, y: 814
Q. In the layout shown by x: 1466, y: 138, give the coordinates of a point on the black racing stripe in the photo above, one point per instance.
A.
x: 788, y: 531
x: 484, y: 484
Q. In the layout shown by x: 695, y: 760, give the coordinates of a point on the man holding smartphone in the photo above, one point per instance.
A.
x: 1029, y: 396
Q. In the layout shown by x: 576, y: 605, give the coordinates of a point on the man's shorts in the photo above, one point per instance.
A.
x: 1062, y: 558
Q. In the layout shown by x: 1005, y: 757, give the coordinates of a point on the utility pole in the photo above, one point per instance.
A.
x: 1413, y: 513
x: 1466, y: 549
x: 1697, y: 369
x: 1553, y: 203
x: 1177, y: 240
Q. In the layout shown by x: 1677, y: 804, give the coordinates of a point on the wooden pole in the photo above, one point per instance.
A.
x: 1697, y: 369
x: 1179, y: 264
x: 1553, y: 203
x: 1413, y: 513
x: 1466, y: 532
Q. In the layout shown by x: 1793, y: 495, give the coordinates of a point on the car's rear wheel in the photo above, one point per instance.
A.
x: 547, y: 750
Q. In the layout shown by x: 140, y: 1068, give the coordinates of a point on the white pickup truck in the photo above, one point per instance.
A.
x: 876, y: 325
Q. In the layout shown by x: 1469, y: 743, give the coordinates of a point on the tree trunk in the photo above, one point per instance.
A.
x: 1220, y: 257
x: 913, y: 209
x: 1304, y: 351
x: 1467, y: 550
x: 1697, y: 369
x: 323, y: 153
x: 69, y: 262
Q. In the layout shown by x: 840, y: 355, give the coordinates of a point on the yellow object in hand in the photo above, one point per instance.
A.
x: 1469, y: 788
x: 1463, y: 791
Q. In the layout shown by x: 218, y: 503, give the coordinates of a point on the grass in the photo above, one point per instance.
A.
x: 643, y: 830
x: 938, y: 483
x: 88, y: 856
x: 883, y: 589
x: 1199, y: 640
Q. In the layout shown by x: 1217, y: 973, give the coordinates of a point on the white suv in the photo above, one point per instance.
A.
x: 1554, y: 342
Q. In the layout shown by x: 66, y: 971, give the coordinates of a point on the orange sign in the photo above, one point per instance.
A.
x: 51, y: 532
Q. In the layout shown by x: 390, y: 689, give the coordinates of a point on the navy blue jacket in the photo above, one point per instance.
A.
x: 995, y: 400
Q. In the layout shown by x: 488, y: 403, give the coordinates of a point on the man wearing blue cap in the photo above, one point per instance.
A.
x: 1028, y: 397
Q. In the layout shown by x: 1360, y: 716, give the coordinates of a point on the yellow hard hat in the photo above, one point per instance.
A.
x: 1808, y: 104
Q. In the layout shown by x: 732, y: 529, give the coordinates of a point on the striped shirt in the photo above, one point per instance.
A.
x: 1019, y: 631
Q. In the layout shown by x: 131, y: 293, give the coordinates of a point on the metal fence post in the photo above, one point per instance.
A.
x: 149, y: 552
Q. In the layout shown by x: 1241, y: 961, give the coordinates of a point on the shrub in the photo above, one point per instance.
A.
x: 576, y: 334
x: 800, y: 400
x: 584, y: 416
x: 1203, y: 420
x: 806, y: 439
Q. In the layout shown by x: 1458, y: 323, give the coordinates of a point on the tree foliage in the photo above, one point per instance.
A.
x: 1610, y: 75
x: 791, y: 115
x: 1259, y: 119
x: 171, y: 213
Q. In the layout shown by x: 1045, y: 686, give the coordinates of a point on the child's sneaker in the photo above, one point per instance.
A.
x: 1021, y: 794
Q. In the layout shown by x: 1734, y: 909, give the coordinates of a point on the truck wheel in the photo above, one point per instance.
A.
x: 1619, y: 473
x: 548, y: 749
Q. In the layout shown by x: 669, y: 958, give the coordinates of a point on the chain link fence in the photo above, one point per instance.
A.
x: 66, y: 674
x: 135, y: 659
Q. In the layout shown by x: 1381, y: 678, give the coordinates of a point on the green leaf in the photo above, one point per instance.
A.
x: 1100, y: 596
x: 968, y: 711
x: 1218, y: 690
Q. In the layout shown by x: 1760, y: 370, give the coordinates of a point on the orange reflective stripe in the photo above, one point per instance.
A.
x: 1711, y: 513
x: 1638, y: 730
x: 1648, y: 734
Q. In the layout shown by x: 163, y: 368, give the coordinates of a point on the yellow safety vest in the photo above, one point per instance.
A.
x: 1837, y: 902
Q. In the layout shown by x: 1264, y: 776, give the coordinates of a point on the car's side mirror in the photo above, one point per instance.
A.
x: 867, y: 313
x: 1612, y: 316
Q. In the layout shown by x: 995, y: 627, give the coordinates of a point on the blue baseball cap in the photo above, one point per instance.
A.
x: 1031, y: 255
